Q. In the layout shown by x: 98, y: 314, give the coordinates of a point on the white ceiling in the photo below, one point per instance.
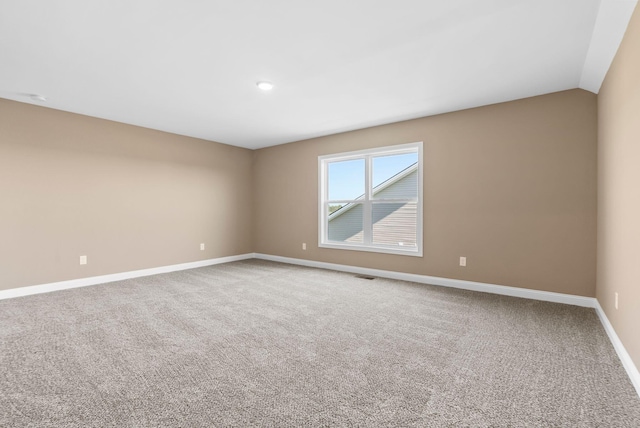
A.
x: 190, y: 67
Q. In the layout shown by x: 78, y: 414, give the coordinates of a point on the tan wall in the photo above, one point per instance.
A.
x: 511, y: 186
x: 127, y: 197
x: 619, y: 191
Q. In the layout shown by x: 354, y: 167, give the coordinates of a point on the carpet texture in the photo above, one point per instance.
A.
x: 256, y: 343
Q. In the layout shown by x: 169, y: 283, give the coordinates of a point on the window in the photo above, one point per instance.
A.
x: 371, y: 200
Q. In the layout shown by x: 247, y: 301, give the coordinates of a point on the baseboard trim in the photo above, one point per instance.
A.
x: 94, y: 280
x: 624, y: 356
x: 547, y: 296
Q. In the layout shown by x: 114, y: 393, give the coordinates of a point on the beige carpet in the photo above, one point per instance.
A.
x: 264, y: 344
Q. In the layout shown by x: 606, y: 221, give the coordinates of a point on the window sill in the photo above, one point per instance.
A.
x: 372, y: 249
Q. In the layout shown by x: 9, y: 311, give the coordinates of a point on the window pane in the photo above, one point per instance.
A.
x: 345, y: 223
x: 346, y: 179
x: 395, y: 176
x: 395, y: 224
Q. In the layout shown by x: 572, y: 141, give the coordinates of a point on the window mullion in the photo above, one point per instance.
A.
x: 367, y: 209
x: 324, y: 206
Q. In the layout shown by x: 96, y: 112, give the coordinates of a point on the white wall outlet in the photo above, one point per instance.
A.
x: 83, y: 260
x: 202, y: 247
x: 463, y: 261
x: 616, y: 300
x: 304, y: 245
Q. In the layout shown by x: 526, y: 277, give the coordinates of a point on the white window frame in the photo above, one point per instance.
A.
x: 367, y: 200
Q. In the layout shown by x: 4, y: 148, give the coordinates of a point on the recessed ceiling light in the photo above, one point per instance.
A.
x: 36, y: 97
x: 265, y: 86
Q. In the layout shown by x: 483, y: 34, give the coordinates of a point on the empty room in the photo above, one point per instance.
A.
x: 319, y: 214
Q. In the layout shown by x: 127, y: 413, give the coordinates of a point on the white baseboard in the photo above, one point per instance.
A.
x: 83, y: 282
x: 424, y: 279
x: 624, y: 356
x: 546, y: 296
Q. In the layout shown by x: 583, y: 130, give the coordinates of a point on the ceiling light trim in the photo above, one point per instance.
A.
x: 264, y: 85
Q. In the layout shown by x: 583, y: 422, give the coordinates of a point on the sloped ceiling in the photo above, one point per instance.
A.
x: 191, y: 67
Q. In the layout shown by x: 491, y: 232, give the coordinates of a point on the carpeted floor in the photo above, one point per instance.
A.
x: 256, y: 343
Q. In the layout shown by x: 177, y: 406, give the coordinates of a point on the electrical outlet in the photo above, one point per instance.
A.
x: 463, y: 261
x: 83, y: 260
x: 201, y: 247
x: 304, y: 245
x: 616, y: 300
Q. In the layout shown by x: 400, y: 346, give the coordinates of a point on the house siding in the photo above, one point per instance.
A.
x: 407, y: 187
x: 348, y: 226
x: 393, y: 223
